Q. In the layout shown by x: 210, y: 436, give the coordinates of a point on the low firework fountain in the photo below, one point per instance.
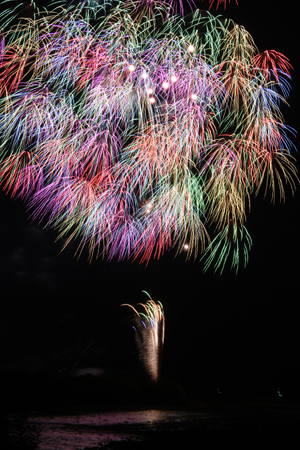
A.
x: 149, y: 326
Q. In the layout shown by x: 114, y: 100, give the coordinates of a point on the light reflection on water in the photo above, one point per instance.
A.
x: 72, y: 432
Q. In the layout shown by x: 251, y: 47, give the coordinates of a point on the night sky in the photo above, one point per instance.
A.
x: 228, y: 332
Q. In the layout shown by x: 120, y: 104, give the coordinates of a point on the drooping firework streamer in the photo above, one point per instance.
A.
x: 149, y: 327
x: 136, y: 130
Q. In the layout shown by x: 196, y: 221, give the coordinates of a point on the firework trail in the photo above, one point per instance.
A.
x: 136, y: 130
x: 149, y: 335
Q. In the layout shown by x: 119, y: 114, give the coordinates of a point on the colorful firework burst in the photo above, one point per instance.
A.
x: 136, y: 130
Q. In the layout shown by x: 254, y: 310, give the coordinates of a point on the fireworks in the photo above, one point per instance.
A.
x: 136, y: 130
x: 149, y: 335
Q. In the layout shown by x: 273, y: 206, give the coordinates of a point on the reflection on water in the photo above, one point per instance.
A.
x: 94, y: 430
x: 151, y: 429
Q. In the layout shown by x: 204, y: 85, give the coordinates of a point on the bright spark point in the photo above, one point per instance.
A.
x: 131, y: 68
x: 144, y: 75
x: 165, y: 85
x: 174, y: 78
x: 191, y: 48
x: 152, y: 100
x: 150, y: 91
x: 149, y: 207
x: 186, y: 246
x: 194, y: 96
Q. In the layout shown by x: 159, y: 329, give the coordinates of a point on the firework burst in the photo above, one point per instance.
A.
x: 135, y: 130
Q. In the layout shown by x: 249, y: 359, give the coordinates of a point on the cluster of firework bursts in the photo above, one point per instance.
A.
x: 136, y: 130
x: 149, y: 327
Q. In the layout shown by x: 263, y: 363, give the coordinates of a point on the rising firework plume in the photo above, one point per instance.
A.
x: 149, y: 326
x: 136, y: 130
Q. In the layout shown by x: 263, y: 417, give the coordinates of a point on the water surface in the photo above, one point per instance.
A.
x: 210, y: 426
x: 72, y: 432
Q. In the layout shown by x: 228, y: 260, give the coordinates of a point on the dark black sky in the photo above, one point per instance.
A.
x: 243, y: 329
